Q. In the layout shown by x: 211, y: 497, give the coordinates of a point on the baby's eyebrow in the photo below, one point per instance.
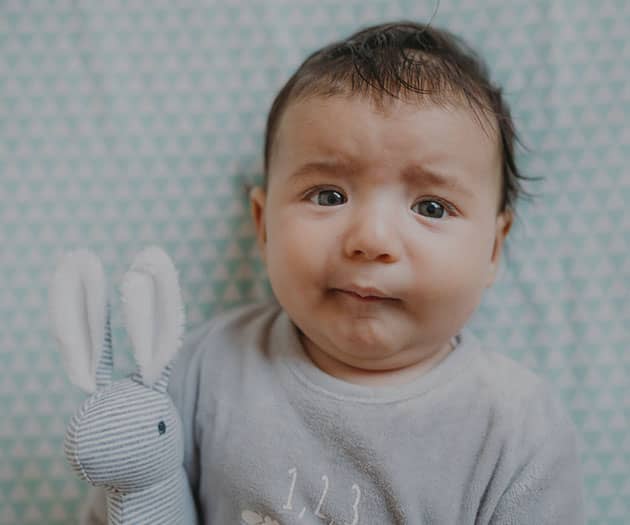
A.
x: 330, y: 167
x: 424, y: 175
x: 415, y: 173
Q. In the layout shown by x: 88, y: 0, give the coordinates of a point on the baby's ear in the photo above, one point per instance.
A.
x: 503, y: 226
x: 257, y: 201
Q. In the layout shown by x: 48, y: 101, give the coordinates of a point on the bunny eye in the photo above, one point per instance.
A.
x: 161, y: 427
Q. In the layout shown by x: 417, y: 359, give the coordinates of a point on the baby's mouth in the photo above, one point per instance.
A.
x: 363, y: 296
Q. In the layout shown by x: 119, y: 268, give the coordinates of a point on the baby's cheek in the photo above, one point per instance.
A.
x: 451, y: 287
x: 289, y: 262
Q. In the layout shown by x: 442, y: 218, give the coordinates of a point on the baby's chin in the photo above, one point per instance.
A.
x: 379, y: 367
x: 360, y: 349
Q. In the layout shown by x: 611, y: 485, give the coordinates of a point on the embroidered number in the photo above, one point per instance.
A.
x: 355, y: 506
x: 287, y: 505
x: 321, y: 500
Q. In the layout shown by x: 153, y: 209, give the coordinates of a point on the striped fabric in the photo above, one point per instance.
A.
x: 127, y: 437
x: 163, y: 503
x: 106, y: 361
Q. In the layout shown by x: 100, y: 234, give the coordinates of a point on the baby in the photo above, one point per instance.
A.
x: 357, y: 395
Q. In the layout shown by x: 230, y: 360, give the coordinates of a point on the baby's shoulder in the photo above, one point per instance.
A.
x: 233, y: 326
x: 518, y: 398
x: 215, y: 346
x: 506, y: 378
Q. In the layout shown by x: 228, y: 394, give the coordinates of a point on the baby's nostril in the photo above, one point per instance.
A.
x: 161, y: 427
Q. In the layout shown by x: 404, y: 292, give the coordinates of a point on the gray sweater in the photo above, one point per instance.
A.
x: 272, y: 439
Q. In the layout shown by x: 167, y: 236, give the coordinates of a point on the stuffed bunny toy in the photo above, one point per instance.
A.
x: 127, y: 436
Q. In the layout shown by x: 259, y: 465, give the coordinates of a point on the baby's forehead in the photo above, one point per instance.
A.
x: 305, y: 113
x: 386, y: 105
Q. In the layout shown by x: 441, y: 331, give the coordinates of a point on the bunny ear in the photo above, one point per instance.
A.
x: 153, y: 311
x: 77, y: 304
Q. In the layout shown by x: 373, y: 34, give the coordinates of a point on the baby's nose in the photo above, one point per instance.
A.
x: 373, y: 235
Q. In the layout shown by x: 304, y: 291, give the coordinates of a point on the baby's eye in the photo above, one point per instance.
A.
x: 430, y: 208
x: 328, y: 197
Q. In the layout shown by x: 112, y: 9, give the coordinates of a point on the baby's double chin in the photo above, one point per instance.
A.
x: 390, y: 370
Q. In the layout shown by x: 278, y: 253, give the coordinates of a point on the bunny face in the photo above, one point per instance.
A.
x: 126, y: 436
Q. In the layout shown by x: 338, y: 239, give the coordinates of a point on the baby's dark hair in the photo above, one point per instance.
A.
x: 410, y: 61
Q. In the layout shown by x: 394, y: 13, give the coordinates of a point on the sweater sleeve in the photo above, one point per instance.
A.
x: 547, y: 487
x: 183, y: 389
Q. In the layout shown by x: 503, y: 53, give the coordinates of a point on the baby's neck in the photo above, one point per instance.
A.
x: 366, y: 377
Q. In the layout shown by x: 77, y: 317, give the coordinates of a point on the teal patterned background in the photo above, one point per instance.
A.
x: 128, y: 123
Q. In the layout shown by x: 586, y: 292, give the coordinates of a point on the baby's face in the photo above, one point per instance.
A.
x: 379, y: 229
